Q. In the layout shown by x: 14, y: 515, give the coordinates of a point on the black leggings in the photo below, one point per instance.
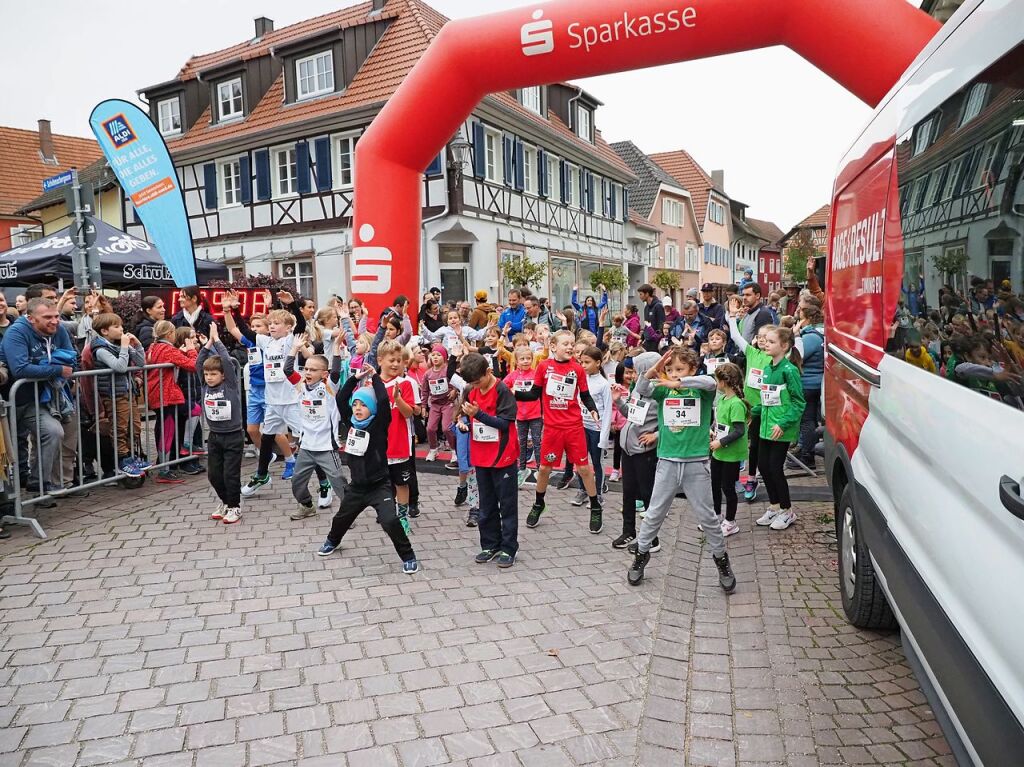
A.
x: 724, y: 475
x: 753, y: 437
x: 616, y: 452
x: 637, y: 483
x: 772, y: 456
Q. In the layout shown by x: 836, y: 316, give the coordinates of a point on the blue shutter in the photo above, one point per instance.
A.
x: 262, y: 160
x: 591, y: 201
x: 604, y: 197
x: 210, y: 186
x: 324, y: 170
x: 582, y: 201
x: 613, y: 201
x: 479, y: 151
x: 563, y: 172
x: 508, y: 166
x: 245, y: 171
x: 303, y: 183
x: 435, y: 167
x: 520, y: 165
x: 542, y: 173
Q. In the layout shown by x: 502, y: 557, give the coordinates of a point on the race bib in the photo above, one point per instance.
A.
x: 523, y: 384
x: 561, y: 387
x: 357, y: 442
x: 314, y: 409
x: 755, y: 376
x: 453, y: 345
x: 771, y: 395
x: 721, y: 430
x: 217, y: 409
x: 711, y: 364
x: 438, y: 386
x: 680, y: 412
x: 636, y: 411
x: 273, y: 370
x: 255, y: 356
x: 484, y: 433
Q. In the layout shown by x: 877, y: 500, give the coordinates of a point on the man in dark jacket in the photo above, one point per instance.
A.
x: 654, y: 317
x: 710, y: 308
x: 758, y: 313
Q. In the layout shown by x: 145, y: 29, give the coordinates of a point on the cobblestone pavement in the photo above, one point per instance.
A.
x: 142, y: 633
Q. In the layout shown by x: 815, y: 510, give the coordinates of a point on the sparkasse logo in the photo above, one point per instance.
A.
x: 538, y: 36
x: 120, y: 132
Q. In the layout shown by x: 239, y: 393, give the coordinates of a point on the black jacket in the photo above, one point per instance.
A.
x: 370, y: 470
x: 202, y: 324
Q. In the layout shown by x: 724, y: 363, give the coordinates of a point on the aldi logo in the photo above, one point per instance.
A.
x: 119, y: 131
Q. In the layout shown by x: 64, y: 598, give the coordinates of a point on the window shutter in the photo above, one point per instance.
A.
x: 245, y: 172
x: 542, y: 173
x: 625, y: 205
x: 303, y: 184
x: 324, y: 169
x: 604, y: 197
x: 613, y: 201
x: 563, y: 171
x: 479, y: 151
x: 210, y: 186
x: 508, y: 166
x: 435, y: 167
x: 262, y: 160
x: 520, y: 165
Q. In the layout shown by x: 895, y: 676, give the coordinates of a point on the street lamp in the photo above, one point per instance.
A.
x: 462, y: 154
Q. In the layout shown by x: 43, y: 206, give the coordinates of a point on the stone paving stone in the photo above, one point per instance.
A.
x: 112, y: 658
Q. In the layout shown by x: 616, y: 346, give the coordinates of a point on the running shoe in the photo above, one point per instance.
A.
x: 254, y: 484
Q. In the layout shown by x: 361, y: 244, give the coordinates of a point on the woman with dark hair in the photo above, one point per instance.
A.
x: 193, y: 311
x: 590, y: 312
x: 150, y: 312
x: 430, y: 315
x: 633, y: 326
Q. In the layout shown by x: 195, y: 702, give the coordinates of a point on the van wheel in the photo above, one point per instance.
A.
x: 132, y: 483
x: 864, y: 601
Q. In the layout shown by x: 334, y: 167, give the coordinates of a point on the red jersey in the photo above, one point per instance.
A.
x: 561, y: 384
x: 399, y: 433
x: 489, y: 447
x: 522, y: 380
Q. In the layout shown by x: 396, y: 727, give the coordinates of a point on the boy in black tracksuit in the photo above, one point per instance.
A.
x: 369, y: 414
x: 222, y: 406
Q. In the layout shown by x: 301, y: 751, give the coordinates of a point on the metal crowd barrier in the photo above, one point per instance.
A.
x: 97, y: 448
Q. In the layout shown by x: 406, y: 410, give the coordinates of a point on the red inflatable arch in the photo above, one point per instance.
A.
x: 865, y: 46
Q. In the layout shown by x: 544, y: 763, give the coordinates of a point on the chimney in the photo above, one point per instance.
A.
x: 263, y: 26
x: 718, y: 179
x: 46, y: 142
x: 378, y: 5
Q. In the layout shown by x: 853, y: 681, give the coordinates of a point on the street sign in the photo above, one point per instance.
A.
x: 55, y: 182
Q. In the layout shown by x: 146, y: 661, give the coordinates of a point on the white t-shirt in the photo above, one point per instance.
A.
x: 319, y: 411
x: 279, y: 390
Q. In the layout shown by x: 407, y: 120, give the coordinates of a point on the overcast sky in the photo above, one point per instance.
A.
x: 776, y: 125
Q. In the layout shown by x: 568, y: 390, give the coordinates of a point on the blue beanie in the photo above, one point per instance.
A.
x: 368, y: 398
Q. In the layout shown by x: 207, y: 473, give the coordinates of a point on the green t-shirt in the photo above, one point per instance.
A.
x: 757, y: 363
x: 784, y: 388
x: 684, y: 442
x: 731, y: 410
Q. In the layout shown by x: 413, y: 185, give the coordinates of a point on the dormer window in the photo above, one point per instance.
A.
x: 974, y: 102
x: 169, y: 114
x: 314, y: 75
x: 531, y: 99
x: 229, y: 99
x: 584, y: 123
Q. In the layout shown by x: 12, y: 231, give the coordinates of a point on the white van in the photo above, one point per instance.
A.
x: 924, y: 380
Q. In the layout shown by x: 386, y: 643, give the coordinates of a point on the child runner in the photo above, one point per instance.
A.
x: 729, y: 443
x: 639, y: 437
x: 166, y: 398
x: 714, y: 351
x: 782, y: 405
x: 402, y: 397
x: 222, y: 405
x: 318, y: 413
x: 596, y: 430
x: 493, y: 452
x: 623, y: 378
x: 556, y: 383
x: 439, y: 395
x: 684, y: 421
x: 369, y: 411
x: 528, y: 418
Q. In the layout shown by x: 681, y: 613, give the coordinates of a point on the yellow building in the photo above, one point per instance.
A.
x: 51, y: 211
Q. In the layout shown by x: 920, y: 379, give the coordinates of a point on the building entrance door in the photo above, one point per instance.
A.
x: 454, y: 283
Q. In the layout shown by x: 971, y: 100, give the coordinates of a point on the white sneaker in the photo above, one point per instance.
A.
x: 432, y: 454
x: 232, y: 515
x: 718, y: 521
x: 325, y: 497
x: 784, y: 519
x: 729, y: 528
x: 769, y: 516
x: 218, y: 513
x: 614, y: 476
x: 250, y: 451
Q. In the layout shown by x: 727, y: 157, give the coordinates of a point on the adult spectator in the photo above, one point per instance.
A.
x: 5, y: 318
x: 436, y: 294
x: 811, y: 334
x: 788, y: 302
x: 20, y: 302
x: 514, y: 315
x: 589, y: 313
x: 537, y: 313
x: 748, y: 279
x: 671, y: 314
x: 465, y: 312
x: 151, y: 311
x: 915, y: 297
x: 301, y: 308
x: 484, y: 312
x: 193, y: 313
x: 654, y: 317
x: 758, y: 313
x: 37, y: 346
x: 430, y: 314
x: 812, y: 280
x: 633, y: 325
x: 710, y: 308
x: 691, y: 325
x: 981, y: 298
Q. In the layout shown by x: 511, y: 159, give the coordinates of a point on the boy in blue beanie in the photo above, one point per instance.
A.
x: 368, y: 410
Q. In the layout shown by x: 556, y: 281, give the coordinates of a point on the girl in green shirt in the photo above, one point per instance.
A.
x: 782, y: 405
x: 728, y: 443
x: 756, y: 363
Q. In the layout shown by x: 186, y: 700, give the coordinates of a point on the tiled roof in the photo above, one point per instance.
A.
x: 681, y: 166
x: 641, y: 221
x: 98, y: 174
x: 819, y: 218
x: 415, y: 25
x: 643, y: 194
x: 22, y: 169
x: 767, y: 230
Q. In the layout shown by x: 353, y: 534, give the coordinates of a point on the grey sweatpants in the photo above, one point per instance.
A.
x: 305, y: 465
x: 694, y: 479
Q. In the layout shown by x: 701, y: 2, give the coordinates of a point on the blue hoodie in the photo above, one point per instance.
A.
x: 812, y: 369
x: 28, y: 353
